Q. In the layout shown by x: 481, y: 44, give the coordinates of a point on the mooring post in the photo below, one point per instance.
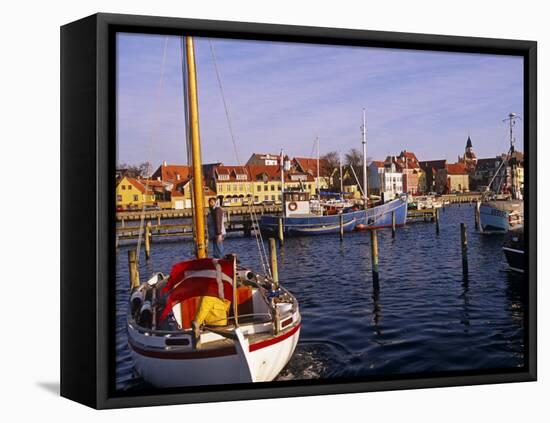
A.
x: 158, y: 219
x: 464, y: 248
x: 122, y: 223
x: 274, y: 267
x: 374, y: 255
x: 476, y: 214
x: 437, y: 221
x: 393, y: 224
x: 133, y: 269
x: 148, y: 240
x: 281, y: 231
x: 341, y: 227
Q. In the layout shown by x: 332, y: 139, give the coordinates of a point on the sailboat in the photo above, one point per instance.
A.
x: 497, y: 213
x: 298, y: 219
x: 252, y: 343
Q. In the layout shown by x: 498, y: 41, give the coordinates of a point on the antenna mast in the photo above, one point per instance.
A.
x: 364, y: 141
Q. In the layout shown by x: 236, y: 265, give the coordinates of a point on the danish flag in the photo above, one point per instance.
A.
x: 197, y: 278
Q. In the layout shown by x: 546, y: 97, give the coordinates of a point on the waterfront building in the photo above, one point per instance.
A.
x: 309, y: 165
x: 181, y: 194
x: 487, y: 170
x: 414, y: 178
x: 430, y: 169
x: 172, y: 173
x: 266, y: 183
x: 132, y: 193
x: 384, y: 179
x: 452, y: 178
x: 263, y: 159
x: 469, y: 158
x: 232, y: 185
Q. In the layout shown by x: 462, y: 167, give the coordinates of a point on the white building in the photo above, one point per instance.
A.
x: 384, y: 180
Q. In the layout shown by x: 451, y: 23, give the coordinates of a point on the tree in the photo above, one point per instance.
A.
x: 142, y: 170
x: 332, y: 163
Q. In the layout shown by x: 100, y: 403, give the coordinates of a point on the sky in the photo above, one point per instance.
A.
x: 284, y: 95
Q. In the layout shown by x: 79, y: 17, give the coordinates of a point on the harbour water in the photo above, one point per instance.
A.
x: 425, y: 317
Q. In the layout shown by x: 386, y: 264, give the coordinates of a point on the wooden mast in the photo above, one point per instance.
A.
x: 198, y: 192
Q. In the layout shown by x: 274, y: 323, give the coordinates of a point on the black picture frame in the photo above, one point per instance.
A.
x: 87, y: 215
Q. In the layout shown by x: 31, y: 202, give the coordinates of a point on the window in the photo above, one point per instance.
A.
x: 272, y: 187
x: 220, y: 188
x: 235, y: 187
x: 124, y: 187
x: 265, y: 187
x: 266, y: 197
x: 119, y: 197
x: 136, y: 198
x: 129, y: 186
x: 273, y: 197
x: 256, y: 198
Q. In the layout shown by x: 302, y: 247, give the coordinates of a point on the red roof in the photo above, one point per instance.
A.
x: 456, y: 169
x: 309, y: 165
x: 377, y: 163
x: 273, y: 173
x: 170, y: 173
x: 139, y: 184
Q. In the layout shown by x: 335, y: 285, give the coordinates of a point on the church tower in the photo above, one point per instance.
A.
x: 469, y: 158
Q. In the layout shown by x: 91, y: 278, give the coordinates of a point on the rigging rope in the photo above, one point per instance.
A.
x: 152, y: 135
x: 264, y: 259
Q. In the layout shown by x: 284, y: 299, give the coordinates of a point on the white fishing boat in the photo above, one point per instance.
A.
x: 255, y: 338
x: 499, y: 213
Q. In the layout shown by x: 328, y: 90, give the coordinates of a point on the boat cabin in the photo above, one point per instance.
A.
x: 296, y: 203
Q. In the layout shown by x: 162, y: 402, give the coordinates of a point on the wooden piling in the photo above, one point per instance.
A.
x: 148, y: 240
x: 122, y: 223
x: 437, y: 221
x: 476, y: 214
x: 133, y: 269
x: 464, y: 248
x: 158, y: 219
x: 274, y: 267
x: 393, y: 224
x: 374, y: 255
x: 341, y: 227
x: 281, y: 231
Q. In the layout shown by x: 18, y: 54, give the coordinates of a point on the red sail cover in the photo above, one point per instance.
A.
x: 196, y: 278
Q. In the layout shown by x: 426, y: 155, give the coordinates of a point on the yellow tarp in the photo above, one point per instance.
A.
x: 212, y: 311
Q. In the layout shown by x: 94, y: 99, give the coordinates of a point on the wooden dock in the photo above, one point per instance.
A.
x: 166, y: 230
x: 185, y: 213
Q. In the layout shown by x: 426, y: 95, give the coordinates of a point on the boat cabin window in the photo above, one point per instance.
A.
x: 296, y: 196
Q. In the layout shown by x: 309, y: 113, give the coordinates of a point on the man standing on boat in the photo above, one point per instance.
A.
x: 216, y: 227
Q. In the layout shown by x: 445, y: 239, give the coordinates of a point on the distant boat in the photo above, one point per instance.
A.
x: 498, y: 213
x: 514, y: 250
x: 302, y: 216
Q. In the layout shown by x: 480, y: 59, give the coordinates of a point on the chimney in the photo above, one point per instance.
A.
x: 177, y: 176
x: 164, y: 163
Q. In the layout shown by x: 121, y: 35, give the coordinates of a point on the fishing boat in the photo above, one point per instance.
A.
x: 514, y: 250
x: 298, y: 219
x: 500, y: 213
x: 255, y: 338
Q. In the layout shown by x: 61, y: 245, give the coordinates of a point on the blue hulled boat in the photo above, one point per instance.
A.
x: 299, y: 221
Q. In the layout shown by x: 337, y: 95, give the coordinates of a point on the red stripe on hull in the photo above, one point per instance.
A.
x: 368, y: 228
x: 222, y: 352
x: 272, y: 341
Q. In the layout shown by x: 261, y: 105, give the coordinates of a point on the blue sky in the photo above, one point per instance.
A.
x: 283, y: 95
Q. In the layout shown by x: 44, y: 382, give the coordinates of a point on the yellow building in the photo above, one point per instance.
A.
x: 181, y: 195
x: 256, y: 184
x: 131, y: 193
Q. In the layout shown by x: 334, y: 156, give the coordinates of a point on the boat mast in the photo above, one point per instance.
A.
x: 318, y: 180
x: 341, y: 177
x: 512, y: 121
x: 198, y: 193
x: 283, y: 182
x: 364, y: 141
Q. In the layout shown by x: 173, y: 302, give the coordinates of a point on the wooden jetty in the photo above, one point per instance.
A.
x: 166, y: 230
x: 182, y: 213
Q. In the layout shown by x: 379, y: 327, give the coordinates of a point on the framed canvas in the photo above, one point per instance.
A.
x: 256, y: 211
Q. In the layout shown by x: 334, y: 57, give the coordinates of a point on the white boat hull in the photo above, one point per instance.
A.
x: 166, y: 369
